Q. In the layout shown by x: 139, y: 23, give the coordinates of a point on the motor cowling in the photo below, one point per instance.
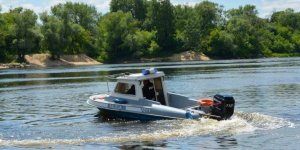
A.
x: 223, y: 106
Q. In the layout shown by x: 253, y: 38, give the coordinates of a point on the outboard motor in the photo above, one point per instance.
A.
x: 223, y: 106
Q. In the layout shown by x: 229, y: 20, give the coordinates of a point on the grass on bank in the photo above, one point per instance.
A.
x: 285, y: 55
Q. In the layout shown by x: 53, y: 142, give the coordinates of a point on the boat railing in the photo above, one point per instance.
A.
x: 115, y: 76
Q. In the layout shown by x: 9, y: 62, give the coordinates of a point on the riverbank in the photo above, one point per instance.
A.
x: 183, y: 56
x: 283, y: 55
x: 44, y: 60
x: 14, y: 65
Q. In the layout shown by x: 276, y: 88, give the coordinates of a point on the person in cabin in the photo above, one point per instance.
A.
x: 148, y: 90
x: 131, y: 91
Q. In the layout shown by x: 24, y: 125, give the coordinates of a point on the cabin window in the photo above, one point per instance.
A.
x: 148, y: 90
x: 159, y: 90
x: 125, y: 88
x: 154, y: 91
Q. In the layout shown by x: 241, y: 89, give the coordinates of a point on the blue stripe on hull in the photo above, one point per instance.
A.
x: 129, y: 116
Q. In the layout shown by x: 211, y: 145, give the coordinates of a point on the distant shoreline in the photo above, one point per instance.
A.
x: 43, y: 60
x: 14, y: 65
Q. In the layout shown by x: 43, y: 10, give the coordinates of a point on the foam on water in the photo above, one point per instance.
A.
x: 264, y: 122
x: 240, y: 123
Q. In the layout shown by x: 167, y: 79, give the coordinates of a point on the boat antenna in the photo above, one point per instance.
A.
x: 114, y: 76
x: 107, y: 86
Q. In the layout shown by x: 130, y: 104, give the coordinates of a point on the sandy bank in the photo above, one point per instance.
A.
x: 184, y: 56
x: 3, y: 66
x: 14, y: 65
x: 189, y: 56
x: 43, y: 60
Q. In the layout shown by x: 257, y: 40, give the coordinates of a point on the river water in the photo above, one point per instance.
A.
x: 46, y: 108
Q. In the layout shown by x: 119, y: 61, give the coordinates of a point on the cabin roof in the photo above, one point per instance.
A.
x: 140, y: 76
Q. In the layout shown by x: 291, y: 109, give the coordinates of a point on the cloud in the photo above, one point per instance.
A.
x: 265, y: 7
x: 270, y: 6
x: 37, y: 9
x: 185, y: 2
x: 45, y: 5
x: 5, y: 5
x: 103, y: 7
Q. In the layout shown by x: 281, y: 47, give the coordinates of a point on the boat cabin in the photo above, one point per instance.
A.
x: 143, y: 96
x: 147, y: 85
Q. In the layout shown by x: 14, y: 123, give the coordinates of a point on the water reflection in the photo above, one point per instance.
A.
x: 143, y: 145
x: 97, y: 73
x: 48, y: 106
x: 227, y: 141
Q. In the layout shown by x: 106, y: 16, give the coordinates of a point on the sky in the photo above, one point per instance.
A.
x: 265, y: 7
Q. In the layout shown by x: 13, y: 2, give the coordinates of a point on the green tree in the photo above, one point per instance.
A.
x: 140, y: 10
x: 221, y: 44
x: 287, y: 18
x: 286, y: 28
x: 265, y: 41
x: 7, y: 34
x: 142, y: 43
x: 205, y: 17
x: 182, y: 13
x: 247, y: 28
x: 160, y: 18
x: 116, y: 31
x: 78, y: 27
x: 2, y: 30
x: 121, y: 5
x: 26, y: 36
x: 243, y: 31
x: 78, y: 13
x: 243, y: 11
x: 2, y: 38
x: 136, y: 7
x: 296, y: 41
x: 151, y: 15
x: 282, y: 45
x: 52, y: 31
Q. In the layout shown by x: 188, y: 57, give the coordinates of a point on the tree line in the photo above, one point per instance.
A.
x: 147, y: 28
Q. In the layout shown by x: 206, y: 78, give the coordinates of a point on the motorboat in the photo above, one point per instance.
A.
x: 144, y: 96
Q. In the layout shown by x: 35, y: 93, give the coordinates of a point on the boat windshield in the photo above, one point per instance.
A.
x: 125, y: 88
